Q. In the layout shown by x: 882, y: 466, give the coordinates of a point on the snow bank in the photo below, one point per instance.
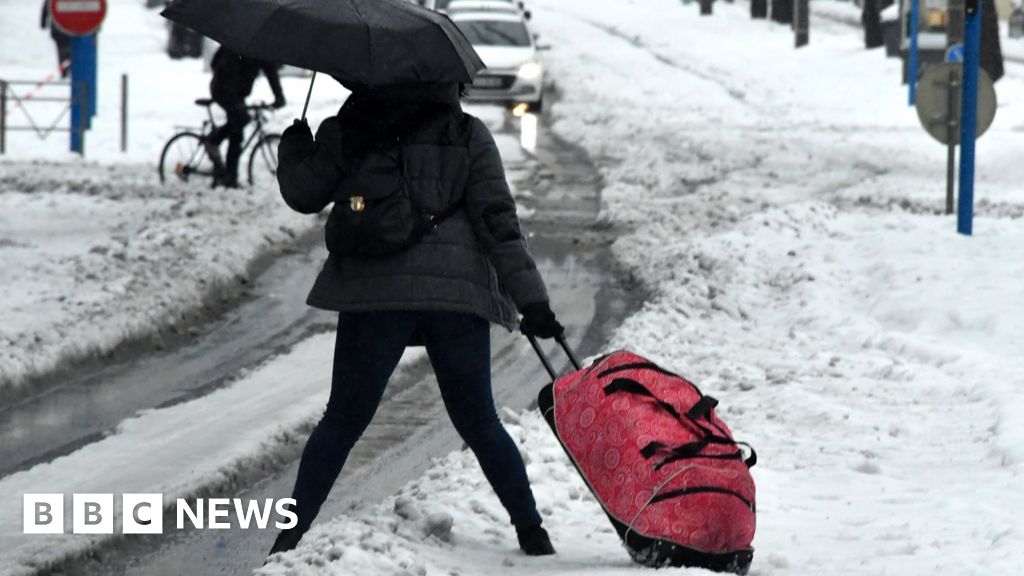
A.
x: 801, y: 273
x: 95, y: 256
x: 873, y: 361
x: 145, y: 453
x: 450, y: 522
x: 783, y: 207
x: 94, y: 253
x: 882, y: 409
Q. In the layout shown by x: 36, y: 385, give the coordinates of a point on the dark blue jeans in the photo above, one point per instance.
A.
x: 367, y: 350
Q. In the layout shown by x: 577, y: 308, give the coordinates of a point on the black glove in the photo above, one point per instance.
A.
x: 279, y: 103
x: 539, y: 321
x: 298, y: 130
x: 297, y: 141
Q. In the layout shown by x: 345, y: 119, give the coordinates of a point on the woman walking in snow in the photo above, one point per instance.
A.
x: 469, y: 269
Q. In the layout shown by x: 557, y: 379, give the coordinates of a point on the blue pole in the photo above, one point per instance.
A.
x: 912, y: 65
x: 94, y: 39
x: 83, y: 70
x: 79, y: 90
x: 969, y: 116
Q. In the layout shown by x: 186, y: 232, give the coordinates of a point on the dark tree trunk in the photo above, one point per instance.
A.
x: 869, y: 17
x: 782, y: 11
x: 991, y: 53
x: 758, y: 8
x: 705, y: 7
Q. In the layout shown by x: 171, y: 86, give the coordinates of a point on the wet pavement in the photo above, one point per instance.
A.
x: 558, y: 191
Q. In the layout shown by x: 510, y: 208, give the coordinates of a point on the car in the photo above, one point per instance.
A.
x: 514, y: 74
x: 485, y: 6
x: 442, y: 5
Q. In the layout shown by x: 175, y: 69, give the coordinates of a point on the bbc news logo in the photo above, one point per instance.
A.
x: 144, y: 513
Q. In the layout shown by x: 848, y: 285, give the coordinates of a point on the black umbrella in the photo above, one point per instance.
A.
x: 368, y: 43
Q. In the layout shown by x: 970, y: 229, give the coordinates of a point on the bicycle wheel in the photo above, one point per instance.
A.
x: 184, y: 158
x: 263, y: 160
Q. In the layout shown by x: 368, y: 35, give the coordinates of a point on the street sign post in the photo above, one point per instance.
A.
x: 81, y: 19
x: 912, y: 65
x: 969, y: 116
x: 938, y: 108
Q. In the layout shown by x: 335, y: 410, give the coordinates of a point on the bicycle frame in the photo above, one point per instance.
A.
x: 250, y: 142
x: 257, y: 134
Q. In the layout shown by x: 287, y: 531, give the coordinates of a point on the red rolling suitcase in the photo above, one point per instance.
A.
x: 657, y: 457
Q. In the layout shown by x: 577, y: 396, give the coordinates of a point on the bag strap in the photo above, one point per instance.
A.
x: 436, y: 219
x: 702, y: 490
x: 634, y: 387
x: 701, y: 410
x: 455, y: 208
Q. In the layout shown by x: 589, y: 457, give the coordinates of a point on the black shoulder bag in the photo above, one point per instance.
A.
x: 383, y: 219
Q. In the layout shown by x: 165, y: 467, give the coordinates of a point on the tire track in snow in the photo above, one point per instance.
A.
x: 713, y: 76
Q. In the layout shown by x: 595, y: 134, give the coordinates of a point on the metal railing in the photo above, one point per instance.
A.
x: 10, y: 101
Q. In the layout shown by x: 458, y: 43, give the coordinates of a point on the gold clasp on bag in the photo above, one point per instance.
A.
x: 356, y: 203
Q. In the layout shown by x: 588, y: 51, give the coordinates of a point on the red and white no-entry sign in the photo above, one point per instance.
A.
x: 78, y: 17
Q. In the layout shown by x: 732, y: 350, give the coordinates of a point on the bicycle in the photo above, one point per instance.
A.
x: 184, y: 156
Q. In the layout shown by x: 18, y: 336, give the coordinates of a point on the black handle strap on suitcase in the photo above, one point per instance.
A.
x: 547, y: 361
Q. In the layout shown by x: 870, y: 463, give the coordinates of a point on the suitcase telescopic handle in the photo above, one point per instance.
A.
x: 547, y: 361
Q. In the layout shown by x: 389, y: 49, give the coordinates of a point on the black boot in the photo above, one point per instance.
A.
x: 534, y: 541
x: 286, y: 540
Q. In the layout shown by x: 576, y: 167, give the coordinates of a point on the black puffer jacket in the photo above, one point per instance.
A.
x: 475, y: 262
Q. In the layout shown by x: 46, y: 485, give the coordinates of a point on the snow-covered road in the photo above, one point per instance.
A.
x: 783, y: 208
x: 214, y: 404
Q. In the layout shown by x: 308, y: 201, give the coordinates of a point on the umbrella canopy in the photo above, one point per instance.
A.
x: 364, y: 42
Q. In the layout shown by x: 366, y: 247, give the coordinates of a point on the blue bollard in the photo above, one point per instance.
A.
x: 969, y: 116
x: 83, y: 73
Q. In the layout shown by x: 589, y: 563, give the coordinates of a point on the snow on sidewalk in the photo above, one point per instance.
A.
x: 869, y: 353
x: 191, y: 448
x: 872, y: 410
x: 450, y: 522
x: 93, y: 257
x: 95, y: 252
x: 883, y: 409
x: 782, y: 207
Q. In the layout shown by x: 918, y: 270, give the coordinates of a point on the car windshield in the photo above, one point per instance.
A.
x: 495, y: 32
x: 482, y: 6
x: 442, y: 4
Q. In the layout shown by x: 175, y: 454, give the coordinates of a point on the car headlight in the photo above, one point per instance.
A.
x: 530, y: 71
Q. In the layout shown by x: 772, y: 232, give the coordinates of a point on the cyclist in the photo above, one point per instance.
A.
x: 233, y: 77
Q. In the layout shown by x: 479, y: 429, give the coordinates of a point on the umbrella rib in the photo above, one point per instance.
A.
x: 369, y: 42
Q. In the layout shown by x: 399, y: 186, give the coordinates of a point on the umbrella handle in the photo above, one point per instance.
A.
x: 308, y: 94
